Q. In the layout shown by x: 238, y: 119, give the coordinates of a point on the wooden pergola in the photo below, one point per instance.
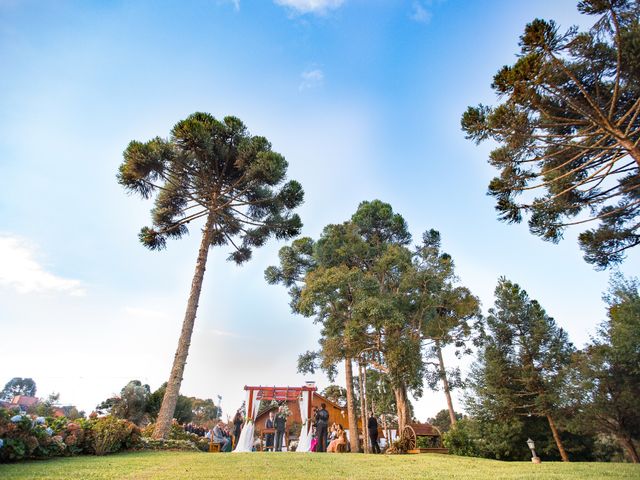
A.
x: 279, y: 394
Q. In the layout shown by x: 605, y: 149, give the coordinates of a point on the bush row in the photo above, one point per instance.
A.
x: 24, y: 436
x: 29, y: 437
x: 179, y: 439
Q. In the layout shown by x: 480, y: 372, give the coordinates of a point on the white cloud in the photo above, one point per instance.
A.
x: 420, y: 12
x: 20, y: 270
x: 312, y: 78
x: 310, y: 6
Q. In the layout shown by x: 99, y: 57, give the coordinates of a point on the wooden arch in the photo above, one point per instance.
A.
x: 280, y: 394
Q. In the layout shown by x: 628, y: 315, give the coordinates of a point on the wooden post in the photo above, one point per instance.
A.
x: 250, y: 406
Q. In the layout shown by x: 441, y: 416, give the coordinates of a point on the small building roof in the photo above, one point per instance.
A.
x: 24, y: 401
x: 425, y: 430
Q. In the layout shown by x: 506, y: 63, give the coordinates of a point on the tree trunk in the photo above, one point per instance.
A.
x: 556, y: 437
x: 365, y: 419
x: 363, y: 408
x: 445, y: 384
x: 165, y: 416
x: 628, y: 445
x: 402, y: 407
x: 352, y: 416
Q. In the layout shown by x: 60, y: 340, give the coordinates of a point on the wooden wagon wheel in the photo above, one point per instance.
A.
x: 409, y: 434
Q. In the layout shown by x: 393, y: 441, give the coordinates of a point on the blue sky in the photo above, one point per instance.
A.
x: 363, y: 98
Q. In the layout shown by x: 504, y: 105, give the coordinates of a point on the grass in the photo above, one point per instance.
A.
x: 188, y: 465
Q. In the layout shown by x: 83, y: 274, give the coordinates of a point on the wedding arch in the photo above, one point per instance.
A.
x: 303, y: 395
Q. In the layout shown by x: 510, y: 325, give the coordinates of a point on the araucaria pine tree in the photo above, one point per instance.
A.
x: 523, y: 362
x: 216, y: 171
x: 568, y: 127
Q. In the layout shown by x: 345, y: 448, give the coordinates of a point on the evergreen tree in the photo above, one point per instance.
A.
x: 376, y: 299
x: 204, y: 411
x: 340, y: 282
x: 131, y: 404
x: 449, y: 314
x: 336, y: 394
x: 18, y: 386
x: 216, y: 171
x: 569, y: 126
x: 609, y: 370
x: 184, y: 406
x: 523, y: 362
x: 442, y: 420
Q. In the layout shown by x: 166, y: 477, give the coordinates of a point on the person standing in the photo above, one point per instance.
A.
x: 280, y: 423
x: 322, y: 421
x: 237, y: 426
x: 372, y: 425
x: 268, y: 438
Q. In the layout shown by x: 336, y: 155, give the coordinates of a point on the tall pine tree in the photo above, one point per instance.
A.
x: 523, y: 363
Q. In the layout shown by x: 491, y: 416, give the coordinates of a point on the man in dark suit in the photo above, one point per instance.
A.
x: 322, y: 421
x: 372, y: 425
x: 280, y: 423
x: 269, y: 436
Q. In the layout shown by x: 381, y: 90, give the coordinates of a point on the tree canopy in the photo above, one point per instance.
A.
x: 377, y: 300
x: 569, y: 126
x: 212, y: 170
x: 131, y: 404
x: 523, y: 363
x: 609, y: 371
x: 18, y: 386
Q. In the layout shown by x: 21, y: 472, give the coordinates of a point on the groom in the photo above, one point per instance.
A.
x: 280, y: 425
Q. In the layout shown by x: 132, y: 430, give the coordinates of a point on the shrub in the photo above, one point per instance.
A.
x: 184, y: 445
x: 176, y: 434
x: 460, y: 439
x: 110, y: 434
x: 24, y: 437
x: 398, y: 446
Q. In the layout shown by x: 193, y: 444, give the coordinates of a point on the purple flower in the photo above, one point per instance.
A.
x: 16, y: 418
x: 49, y: 431
x: 40, y: 420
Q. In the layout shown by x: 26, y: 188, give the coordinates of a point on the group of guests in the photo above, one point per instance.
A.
x: 336, y: 440
x: 324, y: 439
x: 221, y: 434
x: 193, y: 428
x: 320, y: 441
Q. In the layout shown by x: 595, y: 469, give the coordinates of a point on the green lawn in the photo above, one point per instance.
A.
x: 186, y: 465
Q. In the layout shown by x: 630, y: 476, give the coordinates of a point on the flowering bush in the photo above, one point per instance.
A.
x: 22, y: 437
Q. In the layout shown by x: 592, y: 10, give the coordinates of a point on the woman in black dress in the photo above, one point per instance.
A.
x: 237, y: 426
